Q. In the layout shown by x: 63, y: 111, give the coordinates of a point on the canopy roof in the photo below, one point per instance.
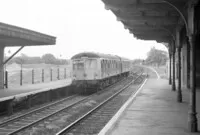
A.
x: 149, y: 19
x: 16, y: 36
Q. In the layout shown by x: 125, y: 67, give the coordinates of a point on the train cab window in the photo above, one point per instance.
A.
x: 78, y: 66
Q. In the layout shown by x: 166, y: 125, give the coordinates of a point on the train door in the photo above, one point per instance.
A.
x: 78, y: 69
x: 91, y: 70
x: 102, y: 68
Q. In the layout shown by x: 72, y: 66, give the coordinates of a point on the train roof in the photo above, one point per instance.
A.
x: 95, y: 55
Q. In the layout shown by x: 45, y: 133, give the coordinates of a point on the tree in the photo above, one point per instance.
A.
x: 49, y: 58
x: 137, y: 61
x: 156, y: 57
x: 46, y: 58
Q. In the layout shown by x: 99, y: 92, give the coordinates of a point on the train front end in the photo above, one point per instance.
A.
x: 85, y: 74
x: 78, y: 70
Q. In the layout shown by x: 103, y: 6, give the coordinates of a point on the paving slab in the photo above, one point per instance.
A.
x: 155, y: 111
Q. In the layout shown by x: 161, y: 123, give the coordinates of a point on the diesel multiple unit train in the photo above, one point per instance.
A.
x: 94, y: 71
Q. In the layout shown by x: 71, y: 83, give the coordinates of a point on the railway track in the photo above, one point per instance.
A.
x: 16, y: 124
x: 95, y: 119
x: 26, y: 121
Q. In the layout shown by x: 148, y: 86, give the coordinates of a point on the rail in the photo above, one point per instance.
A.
x: 28, y: 119
x: 94, y: 109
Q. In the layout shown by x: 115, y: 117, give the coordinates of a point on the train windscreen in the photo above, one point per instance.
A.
x: 78, y: 65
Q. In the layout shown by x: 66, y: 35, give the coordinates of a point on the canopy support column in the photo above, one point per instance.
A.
x: 173, y: 66
x: 1, y: 67
x: 170, y: 70
x: 179, y: 92
x: 192, y: 118
x: 179, y: 46
x: 188, y: 66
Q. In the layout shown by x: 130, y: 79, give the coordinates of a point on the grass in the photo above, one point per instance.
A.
x: 14, y: 73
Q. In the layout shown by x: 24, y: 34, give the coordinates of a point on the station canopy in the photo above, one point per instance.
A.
x: 16, y: 36
x: 149, y: 19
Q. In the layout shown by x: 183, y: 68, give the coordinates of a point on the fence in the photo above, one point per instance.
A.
x: 35, y: 76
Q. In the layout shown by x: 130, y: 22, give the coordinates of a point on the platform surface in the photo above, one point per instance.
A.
x: 155, y: 111
x: 34, y: 87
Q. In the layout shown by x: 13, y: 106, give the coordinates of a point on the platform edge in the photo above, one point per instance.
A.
x: 114, y: 119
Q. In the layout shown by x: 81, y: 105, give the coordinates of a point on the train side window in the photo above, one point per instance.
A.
x: 101, y: 64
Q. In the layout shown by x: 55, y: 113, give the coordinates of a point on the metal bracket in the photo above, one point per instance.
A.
x: 179, y: 10
x: 13, y: 55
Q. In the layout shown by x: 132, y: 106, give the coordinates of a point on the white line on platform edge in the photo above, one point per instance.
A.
x: 114, y: 119
x: 158, y: 76
x: 155, y: 72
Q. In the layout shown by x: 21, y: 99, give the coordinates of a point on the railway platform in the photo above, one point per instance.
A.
x: 9, y: 92
x: 154, y: 111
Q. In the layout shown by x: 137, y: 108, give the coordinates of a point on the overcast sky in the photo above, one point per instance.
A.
x: 79, y: 25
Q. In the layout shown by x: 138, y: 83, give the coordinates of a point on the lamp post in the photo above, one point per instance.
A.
x: 6, y: 73
x: 59, y: 67
x: 21, y: 71
x: 5, y: 56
